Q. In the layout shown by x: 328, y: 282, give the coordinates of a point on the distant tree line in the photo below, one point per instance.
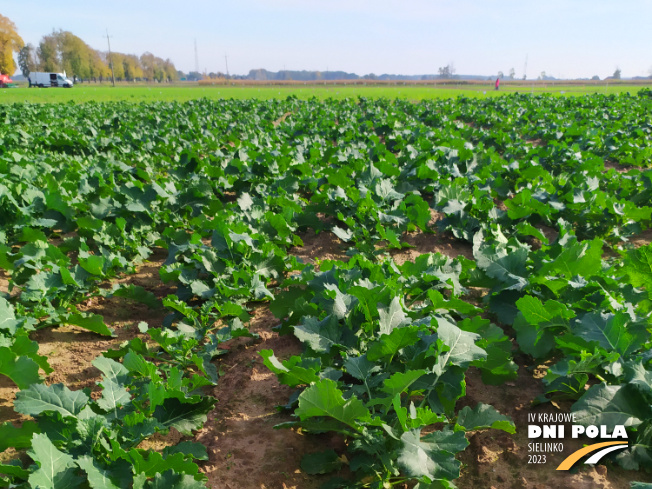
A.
x: 63, y: 51
x: 446, y: 72
x: 303, y: 75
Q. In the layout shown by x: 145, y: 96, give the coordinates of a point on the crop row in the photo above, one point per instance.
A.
x: 88, y: 193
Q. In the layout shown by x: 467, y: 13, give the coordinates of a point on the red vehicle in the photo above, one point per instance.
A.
x: 6, y: 82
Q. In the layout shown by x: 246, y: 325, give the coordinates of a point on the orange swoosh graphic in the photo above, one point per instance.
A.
x: 575, y: 456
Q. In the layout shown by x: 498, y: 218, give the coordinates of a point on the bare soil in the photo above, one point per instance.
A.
x: 498, y: 460
x: 537, y: 143
x: 281, y: 119
x: 244, y: 448
x: 246, y: 452
x: 643, y: 239
x: 70, y: 349
x: 319, y: 247
x: 421, y: 243
x: 4, y: 282
x: 619, y: 167
x: 435, y: 242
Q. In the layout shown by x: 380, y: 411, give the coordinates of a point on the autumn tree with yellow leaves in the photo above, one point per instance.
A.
x: 10, y: 43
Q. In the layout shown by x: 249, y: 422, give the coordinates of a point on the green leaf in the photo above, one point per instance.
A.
x: 171, y: 480
x: 453, y: 304
x: 93, y: 264
x: 294, y: 371
x: 639, y: 454
x: 140, y: 480
x: 503, y: 304
x: 278, y: 222
x: 462, y: 348
x: 431, y: 456
x: 97, y: 477
x: 32, y: 235
x: 14, y: 471
x: 526, y: 229
x: 185, y: 417
x: 392, y: 317
x: 322, y: 335
x: 17, y: 438
x: 637, y: 267
x: 499, y: 365
x: 90, y: 223
x: 509, y: 269
x: 341, y: 304
x: 325, y: 399
x: 533, y: 340
x: 449, y: 387
x: 576, y: 258
x: 423, y: 416
x: 137, y: 364
x: 23, y: 371
x: 138, y: 426
x: 551, y: 314
x: 188, y: 449
x: 7, y: 317
x: 138, y: 294
x: 242, y: 237
x: 481, y: 417
x: 417, y: 210
x: 258, y: 289
x: 320, y: 462
x: 389, y: 345
x: 401, y: 381
x: 91, y: 427
x: 245, y: 202
x: 56, y: 469
x: 344, y: 235
x: 114, y: 396
x: 39, y: 398
x: 283, y: 303
x: 610, y: 332
x: 401, y: 412
x: 111, y: 369
x: 360, y: 367
x: 385, y: 190
x: 94, y: 323
x: 454, y: 206
x: 23, y: 346
x: 611, y: 405
x: 151, y: 463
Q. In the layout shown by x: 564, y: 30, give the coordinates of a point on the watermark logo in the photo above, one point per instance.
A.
x: 604, y: 448
x: 556, y: 427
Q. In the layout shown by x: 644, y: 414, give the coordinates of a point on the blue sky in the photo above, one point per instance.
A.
x: 571, y: 38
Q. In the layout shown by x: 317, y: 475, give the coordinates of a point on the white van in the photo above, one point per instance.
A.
x: 41, y: 79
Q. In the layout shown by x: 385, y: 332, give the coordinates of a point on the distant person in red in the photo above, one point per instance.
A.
x: 497, y: 83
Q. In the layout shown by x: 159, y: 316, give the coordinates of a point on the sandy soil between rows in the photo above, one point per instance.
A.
x: 246, y: 452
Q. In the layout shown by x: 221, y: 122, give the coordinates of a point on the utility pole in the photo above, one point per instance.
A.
x: 196, y: 58
x: 110, y: 57
x: 226, y: 61
x: 525, y: 67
